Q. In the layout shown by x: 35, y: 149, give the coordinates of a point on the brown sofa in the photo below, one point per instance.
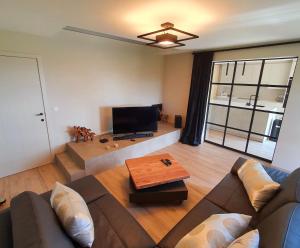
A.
x: 30, y: 222
x: 278, y: 222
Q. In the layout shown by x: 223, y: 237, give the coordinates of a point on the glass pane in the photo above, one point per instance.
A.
x: 261, y: 146
x: 271, y: 99
x: 217, y: 114
x: 219, y: 94
x: 278, y: 71
x: 266, y: 123
x: 236, y: 139
x: 214, y: 133
x: 243, y: 96
x: 247, y: 72
x: 239, y: 118
x: 223, y: 72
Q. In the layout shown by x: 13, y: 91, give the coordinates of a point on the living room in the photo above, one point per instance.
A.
x: 164, y: 117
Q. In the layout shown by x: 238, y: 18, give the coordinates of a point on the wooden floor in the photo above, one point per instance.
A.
x: 206, y: 163
x: 39, y: 180
x: 262, y: 149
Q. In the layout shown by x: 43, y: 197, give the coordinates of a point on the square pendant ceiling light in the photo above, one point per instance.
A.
x: 168, y: 37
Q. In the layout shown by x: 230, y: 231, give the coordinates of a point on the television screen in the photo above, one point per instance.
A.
x: 134, y: 119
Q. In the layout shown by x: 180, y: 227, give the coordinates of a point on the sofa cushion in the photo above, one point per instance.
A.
x: 35, y: 224
x: 277, y: 175
x: 289, y: 192
x: 6, y: 239
x: 217, y: 231
x: 73, y: 214
x: 281, y: 228
x: 88, y: 187
x: 258, y: 184
x: 198, y: 214
x: 115, y: 227
x: 248, y: 240
x: 231, y: 196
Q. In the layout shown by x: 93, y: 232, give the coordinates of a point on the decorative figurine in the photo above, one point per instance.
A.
x: 164, y: 117
x: 83, y: 133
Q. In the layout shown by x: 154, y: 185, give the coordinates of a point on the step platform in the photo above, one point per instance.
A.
x: 91, y: 157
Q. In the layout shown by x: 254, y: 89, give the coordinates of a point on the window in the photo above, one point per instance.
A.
x: 247, y: 100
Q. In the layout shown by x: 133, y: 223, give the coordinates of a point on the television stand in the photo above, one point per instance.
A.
x: 133, y: 136
x: 91, y: 157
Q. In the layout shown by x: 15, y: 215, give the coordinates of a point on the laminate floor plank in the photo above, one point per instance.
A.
x: 206, y: 163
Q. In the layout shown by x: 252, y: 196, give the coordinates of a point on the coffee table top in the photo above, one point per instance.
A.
x: 150, y: 171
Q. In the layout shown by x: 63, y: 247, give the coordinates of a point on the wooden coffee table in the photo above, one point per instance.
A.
x: 152, y: 182
x: 156, y: 219
x: 149, y: 171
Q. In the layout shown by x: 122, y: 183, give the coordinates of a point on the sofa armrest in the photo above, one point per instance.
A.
x: 281, y: 228
x: 88, y: 187
x: 35, y: 224
x: 6, y: 239
x: 240, y: 161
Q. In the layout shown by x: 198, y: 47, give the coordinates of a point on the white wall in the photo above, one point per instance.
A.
x: 86, y: 75
x: 287, y: 154
x: 177, y: 80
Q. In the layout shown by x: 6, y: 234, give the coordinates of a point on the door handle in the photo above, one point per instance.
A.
x: 40, y: 114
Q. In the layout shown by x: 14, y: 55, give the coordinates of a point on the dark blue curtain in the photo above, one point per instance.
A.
x: 196, y: 111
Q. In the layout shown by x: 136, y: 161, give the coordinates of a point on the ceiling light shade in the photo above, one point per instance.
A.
x: 168, y: 37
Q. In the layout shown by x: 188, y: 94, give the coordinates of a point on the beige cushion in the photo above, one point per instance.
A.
x: 248, y: 240
x: 218, y: 231
x: 258, y: 184
x: 74, y: 214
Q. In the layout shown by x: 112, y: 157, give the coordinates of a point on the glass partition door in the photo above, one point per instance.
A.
x: 247, y: 100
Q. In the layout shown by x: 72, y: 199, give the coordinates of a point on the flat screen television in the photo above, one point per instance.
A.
x: 134, y: 119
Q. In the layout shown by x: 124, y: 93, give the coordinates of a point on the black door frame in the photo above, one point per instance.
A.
x: 259, y: 85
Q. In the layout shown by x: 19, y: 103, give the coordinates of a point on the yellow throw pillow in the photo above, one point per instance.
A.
x: 259, y: 185
x: 73, y: 214
x: 248, y: 240
x: 218, y: 231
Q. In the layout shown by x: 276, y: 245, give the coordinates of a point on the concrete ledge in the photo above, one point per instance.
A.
x: 94, y: 157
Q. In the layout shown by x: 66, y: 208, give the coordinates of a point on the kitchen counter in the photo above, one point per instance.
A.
x: 240, y: 119
x: 238, y: 102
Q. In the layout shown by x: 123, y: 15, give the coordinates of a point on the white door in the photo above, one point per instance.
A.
x: 24, y: 142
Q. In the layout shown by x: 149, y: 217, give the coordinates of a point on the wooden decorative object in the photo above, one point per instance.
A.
x: 83, y: 133
x: 164, y: 117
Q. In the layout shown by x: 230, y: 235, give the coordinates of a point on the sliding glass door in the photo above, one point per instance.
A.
x: 247, y: 100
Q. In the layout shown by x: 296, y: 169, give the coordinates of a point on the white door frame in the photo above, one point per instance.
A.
x: 42, y: 80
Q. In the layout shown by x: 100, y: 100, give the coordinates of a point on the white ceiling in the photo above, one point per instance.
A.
x: 222, y: 23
